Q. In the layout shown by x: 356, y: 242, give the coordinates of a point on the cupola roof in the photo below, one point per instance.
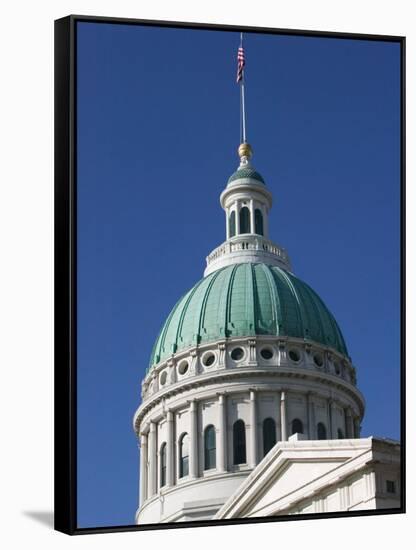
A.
x: 246, y: 171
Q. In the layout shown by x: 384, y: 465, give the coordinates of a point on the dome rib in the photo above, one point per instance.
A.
x: 275, y: 300
x: 314, y: 326
x: 287, y: 290
x: 160, y: 342
x: 201, y: 321
x: 256, y: 307
x: 335, y: 330
x: 184, y: 311
x: 229, y: 294
x: 250, y: 305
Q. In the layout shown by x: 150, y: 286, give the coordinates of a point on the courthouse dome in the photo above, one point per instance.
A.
x: 247, y: 299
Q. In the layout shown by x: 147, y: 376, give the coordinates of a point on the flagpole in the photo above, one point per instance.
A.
x: 243, y: 107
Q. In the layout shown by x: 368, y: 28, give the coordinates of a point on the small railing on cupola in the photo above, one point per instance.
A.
x: 247, y: 248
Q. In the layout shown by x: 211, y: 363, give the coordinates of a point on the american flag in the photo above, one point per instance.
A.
x: 241, y: 61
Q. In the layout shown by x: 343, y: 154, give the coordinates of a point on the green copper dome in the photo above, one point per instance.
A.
x: 247, y: 172
x: 247, y: 299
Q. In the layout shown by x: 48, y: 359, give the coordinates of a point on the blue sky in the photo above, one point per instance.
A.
x: 158, y: 129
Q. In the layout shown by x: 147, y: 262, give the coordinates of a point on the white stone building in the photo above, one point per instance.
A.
x: 247, y: 358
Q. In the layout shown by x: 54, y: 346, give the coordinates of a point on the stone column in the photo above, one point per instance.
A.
x: 253, y: 435
x: 227, y: 223
x: 309, y: 414
x: 170, y: 451
x: 265, y: 222
x: 329, y: 414
x: 222, y: 435
x: 152, y: 459
x: 143, y: 468
x: 349, y: 424
x: 332, y: 410
x: 311, y: 419
x: 283, y: 421
x: 252, y: 224
x: 356, y: 425
x: 193, y: 434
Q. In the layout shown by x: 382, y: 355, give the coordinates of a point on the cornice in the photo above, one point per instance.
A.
x: 328, y: 381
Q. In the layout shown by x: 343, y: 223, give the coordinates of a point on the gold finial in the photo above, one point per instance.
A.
x: 245, y: 150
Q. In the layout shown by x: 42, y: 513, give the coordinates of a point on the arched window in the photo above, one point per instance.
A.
x: 209, y: 448
x: 297, y: 426
x: 244, y: 220
x: 340, y: 434
x: 269, y: 434
x: 231, y: 222
x: 184, y: 455
x: 258, y: 222
x: 163, y: 465
x: 321, y: 430
x: 239, y: 442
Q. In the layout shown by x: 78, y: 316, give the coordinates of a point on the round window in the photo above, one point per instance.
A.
x: 266, y: 353
x: 183, y: 367
x: 163, y: 378
x: 208, y: 359
x: 318, y: 360
x: 237, y: 354
x: 294, y: 355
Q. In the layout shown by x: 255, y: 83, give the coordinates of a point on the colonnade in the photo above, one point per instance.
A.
x: 149, y: 463
x: 252, y: 206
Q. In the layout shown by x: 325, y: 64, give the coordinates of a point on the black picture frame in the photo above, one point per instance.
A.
x: 66, y: 267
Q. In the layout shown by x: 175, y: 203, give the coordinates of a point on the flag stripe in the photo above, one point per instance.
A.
x: 241, y: 61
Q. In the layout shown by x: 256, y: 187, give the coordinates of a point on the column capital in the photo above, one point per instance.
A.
x: 192, y: 404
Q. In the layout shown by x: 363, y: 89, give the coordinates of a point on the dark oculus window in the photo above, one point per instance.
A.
x: 266, y: 353
x: 239, y: 442
x: 237, y: 354
x: 184, y: 455
x: 269, y: 434
x: 209, y: 448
